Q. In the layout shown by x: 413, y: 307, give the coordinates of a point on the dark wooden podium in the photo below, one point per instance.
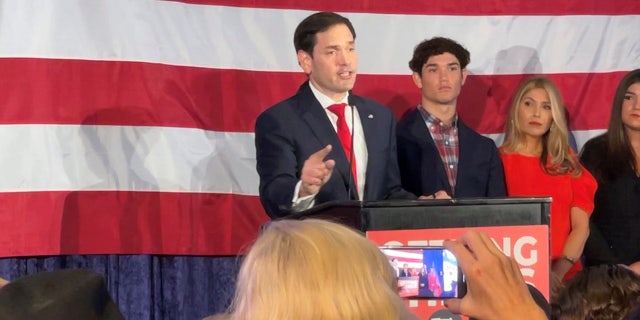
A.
x: 421, y: 214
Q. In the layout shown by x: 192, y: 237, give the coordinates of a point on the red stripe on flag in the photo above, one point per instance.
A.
x: 145, y: 94
x: 427, y: 7
x: 51, y: 91
x: 111, y: 222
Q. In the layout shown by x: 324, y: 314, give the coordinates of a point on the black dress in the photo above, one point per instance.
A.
x: 615, y: 222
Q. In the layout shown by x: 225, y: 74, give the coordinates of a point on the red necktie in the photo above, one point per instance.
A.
x: 345, y: 137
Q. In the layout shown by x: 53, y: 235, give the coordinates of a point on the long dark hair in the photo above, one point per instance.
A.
x: 619, y: 152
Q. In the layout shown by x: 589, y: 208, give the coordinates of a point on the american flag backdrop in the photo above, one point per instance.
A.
x: 126, y: 126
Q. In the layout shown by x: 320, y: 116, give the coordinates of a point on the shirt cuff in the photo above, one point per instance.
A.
x: 302, y: 203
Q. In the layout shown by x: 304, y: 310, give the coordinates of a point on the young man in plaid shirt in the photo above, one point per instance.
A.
x: 437, y: 153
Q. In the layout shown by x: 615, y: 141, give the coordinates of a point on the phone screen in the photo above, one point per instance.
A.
x: 426, y: 272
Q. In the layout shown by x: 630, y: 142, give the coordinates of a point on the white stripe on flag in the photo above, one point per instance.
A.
x: 131, y: 158
x: 71, y: 157
x: 261, y: 39
x: 577, y: 138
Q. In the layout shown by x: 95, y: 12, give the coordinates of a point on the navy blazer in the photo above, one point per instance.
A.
x: 480, y: 172
x: 289, y: 132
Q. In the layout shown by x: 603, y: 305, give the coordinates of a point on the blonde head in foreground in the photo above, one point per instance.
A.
x: 315, y: 269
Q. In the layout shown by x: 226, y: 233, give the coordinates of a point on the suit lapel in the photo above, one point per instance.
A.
x: 464, y: 151
x: 316, y: 118
x: 419, y: 129
x: 371, y: 136
x: 368, y: 126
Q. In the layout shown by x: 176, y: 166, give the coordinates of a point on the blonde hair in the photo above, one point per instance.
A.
x: 315, y: 269
x: 556, y: 157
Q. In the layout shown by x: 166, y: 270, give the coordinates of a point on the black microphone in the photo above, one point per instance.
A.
x: 352, y: 104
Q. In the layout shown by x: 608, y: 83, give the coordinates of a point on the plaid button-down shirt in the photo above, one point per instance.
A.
x: 446, y: 140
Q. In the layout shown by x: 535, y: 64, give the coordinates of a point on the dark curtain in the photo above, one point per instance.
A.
x: 148, y: 286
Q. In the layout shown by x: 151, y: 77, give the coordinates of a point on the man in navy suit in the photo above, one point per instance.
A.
x: 437, y: 153
x: 300, y: 158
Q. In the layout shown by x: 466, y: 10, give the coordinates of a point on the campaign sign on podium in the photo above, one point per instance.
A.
x: 519, y: 227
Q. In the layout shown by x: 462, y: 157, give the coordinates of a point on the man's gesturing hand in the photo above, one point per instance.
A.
x: 316, y: 172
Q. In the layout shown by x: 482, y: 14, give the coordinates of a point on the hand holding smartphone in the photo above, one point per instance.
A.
x: 426, y: 272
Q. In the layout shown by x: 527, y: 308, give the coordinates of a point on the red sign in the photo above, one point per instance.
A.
x: 529, y: 245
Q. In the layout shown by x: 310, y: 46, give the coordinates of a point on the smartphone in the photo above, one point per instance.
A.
x: 426, y: 272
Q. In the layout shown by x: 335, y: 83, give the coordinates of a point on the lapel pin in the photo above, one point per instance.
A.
x: 370, y: 116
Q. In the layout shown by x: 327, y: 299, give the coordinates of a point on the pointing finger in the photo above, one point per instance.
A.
x: 319, y: 155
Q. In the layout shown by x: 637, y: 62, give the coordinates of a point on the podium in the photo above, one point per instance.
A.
x: 519, y: 226
x: 438, y: 213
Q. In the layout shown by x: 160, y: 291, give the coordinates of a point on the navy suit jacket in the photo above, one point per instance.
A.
x: 480, y: 172
x: 289, y: 132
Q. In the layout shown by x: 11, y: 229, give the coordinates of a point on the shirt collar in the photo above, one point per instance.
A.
x: 430, y: 118
x: 325, y: 101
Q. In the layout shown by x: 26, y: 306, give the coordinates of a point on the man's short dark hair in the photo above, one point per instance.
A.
x: 436, y: 46
x: 304, y: 37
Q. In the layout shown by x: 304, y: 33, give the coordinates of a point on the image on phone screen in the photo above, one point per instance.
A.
x: 426, y: 272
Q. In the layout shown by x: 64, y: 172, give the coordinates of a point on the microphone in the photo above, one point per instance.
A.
x: 352, y: 104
